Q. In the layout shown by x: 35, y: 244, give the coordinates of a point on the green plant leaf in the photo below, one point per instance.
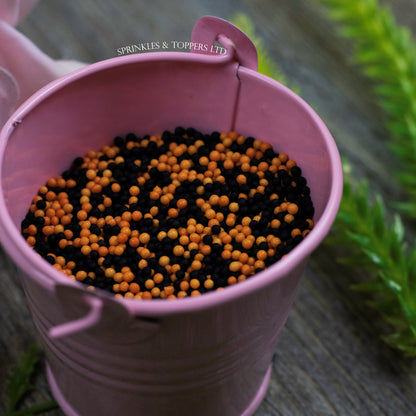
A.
x: 19, y: 385
x: 398, y: 228
x: 358, y: 260
x: 369, y: 286
x: 19, y: 382
x: 37, y: 409
x: 374, y: 257
x: 404, y: 340
x: 379, y: 221
x: 362, y: 240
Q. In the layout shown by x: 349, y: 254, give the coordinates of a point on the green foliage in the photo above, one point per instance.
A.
x: 387, y: 54
x: 380, y: 250
x: 19, y: 382
x: 19, y: 385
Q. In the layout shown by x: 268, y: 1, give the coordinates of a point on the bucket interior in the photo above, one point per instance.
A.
x: 147, y: 95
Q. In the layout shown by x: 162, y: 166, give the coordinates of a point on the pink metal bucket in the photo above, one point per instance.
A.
x: 209, y: 355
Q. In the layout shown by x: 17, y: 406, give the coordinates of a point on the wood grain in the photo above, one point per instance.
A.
x: 330, y: 359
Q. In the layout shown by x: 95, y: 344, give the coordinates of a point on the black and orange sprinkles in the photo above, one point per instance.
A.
x: 171, y: 216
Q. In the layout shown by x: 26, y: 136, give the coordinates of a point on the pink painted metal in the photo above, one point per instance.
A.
x: 207, y: 355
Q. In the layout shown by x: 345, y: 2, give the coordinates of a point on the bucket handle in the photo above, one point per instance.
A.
x: 214, y: 29
x: 89, y: 320
x: 99, y: 312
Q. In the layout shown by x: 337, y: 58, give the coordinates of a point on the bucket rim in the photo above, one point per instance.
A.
x: 27, y: 259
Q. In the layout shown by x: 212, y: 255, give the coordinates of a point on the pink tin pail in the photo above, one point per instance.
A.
x: 204, y: 356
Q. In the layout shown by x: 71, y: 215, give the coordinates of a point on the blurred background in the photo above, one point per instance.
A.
x: 330, y: 360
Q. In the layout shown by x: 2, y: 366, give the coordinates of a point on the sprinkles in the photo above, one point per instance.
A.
x: 171, y: 216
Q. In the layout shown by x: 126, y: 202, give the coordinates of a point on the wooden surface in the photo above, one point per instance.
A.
x: 330, y: 360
